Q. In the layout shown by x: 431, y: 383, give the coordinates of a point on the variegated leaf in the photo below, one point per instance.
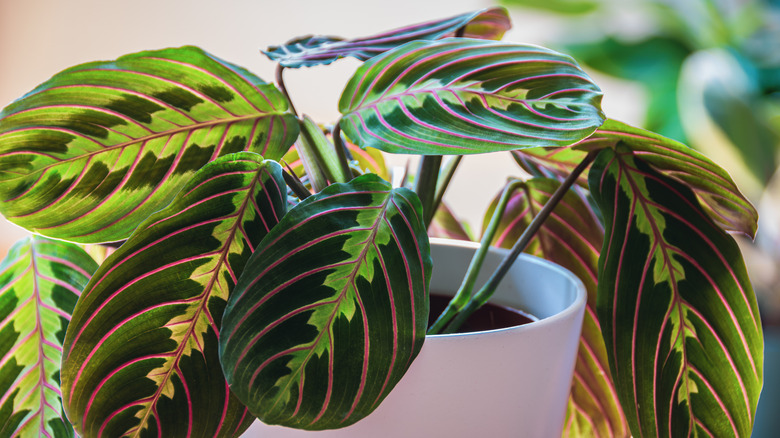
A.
x: 96, y: 149
x: 718, y: 193
x: 141, y: 355
x: 571, y: 237
x: 368, y: 160
x: 310, y: 50
x: 40, y: 282
x: 446, y: 225
x: 679, y: 316
x: 332, y: 307
x: 464, y: 96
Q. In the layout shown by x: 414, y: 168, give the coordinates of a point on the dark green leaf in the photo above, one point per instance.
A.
x: 718, y: 193
x: 332, y: 307
x: 141, y: 355
x: 677, y: 310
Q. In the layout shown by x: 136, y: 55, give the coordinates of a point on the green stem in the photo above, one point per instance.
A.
x: 283, y: 88
x: 341, y: 150
x: 461, y: 298
x: 425, y: 185
x: 444, y: 179
x: 484, y: 294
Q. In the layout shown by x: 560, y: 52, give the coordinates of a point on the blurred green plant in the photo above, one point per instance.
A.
x: 711, y: 74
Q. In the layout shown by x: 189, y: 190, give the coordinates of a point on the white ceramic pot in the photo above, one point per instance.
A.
x: 511, y: 382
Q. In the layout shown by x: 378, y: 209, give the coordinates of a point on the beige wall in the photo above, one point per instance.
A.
x: 41, y: 37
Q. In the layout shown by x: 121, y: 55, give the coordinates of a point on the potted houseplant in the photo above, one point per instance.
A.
x: 171, y: 156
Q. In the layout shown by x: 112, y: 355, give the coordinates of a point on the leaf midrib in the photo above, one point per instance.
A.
x: 359, y: 260
x: 144, y: 139
x: 204, y: 302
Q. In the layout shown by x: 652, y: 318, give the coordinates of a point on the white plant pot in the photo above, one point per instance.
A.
x: 511, y: 382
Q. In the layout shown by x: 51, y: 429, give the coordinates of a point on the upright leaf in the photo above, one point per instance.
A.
x: 446, y: 225
x: 719, y: 195
x: 311, y: 50
x: 96, y: 149
x: 571, y: 237
x: 464, y: 96
x: 141, y: 353
x: 362, y: 161
x: 332, y: 307
x: 40, y: 281
x: 679, y: 316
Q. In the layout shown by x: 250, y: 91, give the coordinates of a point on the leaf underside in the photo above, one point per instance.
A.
x: 310, y: 50
x: 464, y: 96
x: 719, y: 195
x: 40, y: 282
x: 571, y: 237
x: 679, y: 316
x: 332, y: 308
x: 141, y: 353
x: 96, y: 149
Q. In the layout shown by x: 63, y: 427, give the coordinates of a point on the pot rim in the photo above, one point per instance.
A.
x: 576, y: 306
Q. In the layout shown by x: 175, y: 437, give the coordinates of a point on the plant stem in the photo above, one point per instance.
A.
x: 487, y: 290
x: 341, y: 149
x: 444, y: 179
x: 461, y: 298
x: 425, y: 185
x: 283, y: 88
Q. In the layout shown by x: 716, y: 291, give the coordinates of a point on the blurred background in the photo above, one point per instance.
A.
x: 705, y: 72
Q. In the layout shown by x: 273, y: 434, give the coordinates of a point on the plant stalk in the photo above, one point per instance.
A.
x: 425, y: 185
x: 484, y: 294
x: 283, y: 88
x: 341, y: 150
x: 461, y: 298
x: 447, y: 173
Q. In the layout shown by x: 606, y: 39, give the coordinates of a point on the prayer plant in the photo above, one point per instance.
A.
x: 230, y: 296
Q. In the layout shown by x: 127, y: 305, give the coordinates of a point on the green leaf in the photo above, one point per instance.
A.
x: 446, y: 225
x: 571, y: 237
x: 573, y: 7
x: 311, y: 50
x: 40, y: 282
x: 368, y: 160
x: 717, y: 192
x: 332, y: 307
x: 141, y: 353
x: 96, y: 149
x: 322, y: 150
x: 463, y: 96
x: 677, y: 310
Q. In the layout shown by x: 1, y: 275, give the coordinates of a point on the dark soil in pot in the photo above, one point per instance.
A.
x: 488, y: 317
